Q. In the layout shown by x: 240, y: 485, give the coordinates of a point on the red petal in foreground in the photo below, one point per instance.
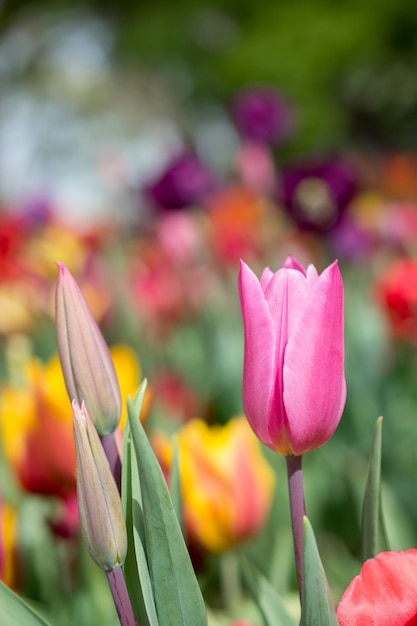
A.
x: 384, y: 593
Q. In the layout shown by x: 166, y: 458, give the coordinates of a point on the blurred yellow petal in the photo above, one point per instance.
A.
x: 17, y: 416
x: 226, y: 482
x: 36, y: 429
x: 128, y: 372
x: 8, y: 539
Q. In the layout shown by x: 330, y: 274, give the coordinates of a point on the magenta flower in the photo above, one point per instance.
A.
x: 294, y: 386
x: 263, y: 115
x: 185, y: 182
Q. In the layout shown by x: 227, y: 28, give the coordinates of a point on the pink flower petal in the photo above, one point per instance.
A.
x: 266, y: 276
x: 258, y: 366
x: 286, y: 294
x: 314, y: 387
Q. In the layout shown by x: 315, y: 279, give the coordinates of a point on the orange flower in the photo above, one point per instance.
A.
x: 226, y: 482
x: 237, y: 218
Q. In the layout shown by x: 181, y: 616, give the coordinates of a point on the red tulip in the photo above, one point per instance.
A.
x: 397, y: 292
x: 294, y: 387
x: 383, y: 594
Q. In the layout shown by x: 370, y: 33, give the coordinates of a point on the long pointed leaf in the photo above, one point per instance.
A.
x: 374, y: 537
x: 317, y: 606
x: 15, y: 611
x: 175, y: 486
x: 136, y: 567
x: 178, y: 598
x: 266, y: 598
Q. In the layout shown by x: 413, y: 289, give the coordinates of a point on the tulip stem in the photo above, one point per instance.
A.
x: 110, y: 448
x: 121, y: 597
x: 298, y: 511
x: 230, y: 580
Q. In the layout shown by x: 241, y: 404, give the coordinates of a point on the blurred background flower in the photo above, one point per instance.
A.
x: 317, y: 193
x: 397, y: 291
x: 184, y: 183
x: 36, y: 423
x: 263, y: 115
x: 227, y: 485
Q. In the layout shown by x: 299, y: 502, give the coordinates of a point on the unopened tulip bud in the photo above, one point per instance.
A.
x: 100, y: 508
x: 88, y: 369
x: 294, y: 386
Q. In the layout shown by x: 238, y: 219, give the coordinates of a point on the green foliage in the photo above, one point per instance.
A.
x: 15, y: 611
x: 374, y: 537
x: 175, y: 486
x: 176, y: 593
x: 268, y: 600
x: 317, y: 603
x: 135, y: 568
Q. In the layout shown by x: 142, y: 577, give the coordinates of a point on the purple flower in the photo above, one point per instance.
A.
x: 349, y: 241
x: 185, y: 181
x: 316, y: 194
x: 263, y: 115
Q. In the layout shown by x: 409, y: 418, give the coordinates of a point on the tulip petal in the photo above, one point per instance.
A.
x: 286, y: 294
x: 292, y: 263
x: 258, y: 365
x: 266, y: 276
x: 384, y: 593
x: 314, y: 386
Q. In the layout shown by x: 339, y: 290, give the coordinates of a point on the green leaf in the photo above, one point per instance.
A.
x: 15, y: 611
x: 264, y: 595
x: 317, y: 606
x: 374, y: 537
x: 135, y: 568
x: 178, y: 598
x: 175, y: 486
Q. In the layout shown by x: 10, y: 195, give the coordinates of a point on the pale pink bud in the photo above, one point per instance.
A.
x: 85, y: 358
x: 100, y: 508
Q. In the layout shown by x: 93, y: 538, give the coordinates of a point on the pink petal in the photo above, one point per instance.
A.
x: 314, y: 386
x: 292, y: 263
x: 286, y: 294
x: 266, y: 276
x: 258, y: 364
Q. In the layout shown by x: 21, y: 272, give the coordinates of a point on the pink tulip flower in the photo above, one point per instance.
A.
x: 294, y: 386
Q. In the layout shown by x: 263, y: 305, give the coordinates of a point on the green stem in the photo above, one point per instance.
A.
x: 121, y: 597
x: 298, y: 510
x: 230, y: 580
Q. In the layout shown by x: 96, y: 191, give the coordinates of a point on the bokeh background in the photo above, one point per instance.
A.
x: 82, y: 79
x: 150, y: 146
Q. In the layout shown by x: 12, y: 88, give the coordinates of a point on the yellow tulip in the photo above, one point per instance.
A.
x: 227, y: 484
